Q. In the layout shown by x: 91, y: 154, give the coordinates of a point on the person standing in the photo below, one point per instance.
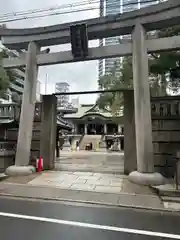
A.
x: 57, y: 143
x: 77, y: 145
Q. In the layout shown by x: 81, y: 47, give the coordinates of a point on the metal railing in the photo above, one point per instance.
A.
x: 9, y: 111
x: 7, y: 146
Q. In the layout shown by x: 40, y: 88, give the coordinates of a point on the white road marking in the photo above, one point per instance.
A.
x: 92, y: 226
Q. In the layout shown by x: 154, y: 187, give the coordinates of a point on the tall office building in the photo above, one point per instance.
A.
x: 16, y: 88
x: 130, y: 5
x: 108, y: 7
x: 62, y: 100
x: 75, y: 102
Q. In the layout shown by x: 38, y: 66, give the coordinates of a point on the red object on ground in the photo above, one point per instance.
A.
x: 40, y: 164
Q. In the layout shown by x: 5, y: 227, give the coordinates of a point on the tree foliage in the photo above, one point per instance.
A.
x: 6, y: 75
x: 164, y: 71
x: 167, y: 64
x: 113, y: 100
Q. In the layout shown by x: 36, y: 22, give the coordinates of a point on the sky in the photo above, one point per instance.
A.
x: 81, y: 76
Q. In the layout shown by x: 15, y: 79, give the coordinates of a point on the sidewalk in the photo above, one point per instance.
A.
x: 115, y: 191
x: 84, y: 152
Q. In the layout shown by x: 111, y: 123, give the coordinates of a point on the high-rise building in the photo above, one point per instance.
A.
x: 38, y: 91
x: 62, y: 100
x: 75, y: 102
x: 108, y: 7
x: 129, y: 5
x: 16, y: 87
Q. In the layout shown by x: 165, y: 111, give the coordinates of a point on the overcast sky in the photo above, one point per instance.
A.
x: 81, y: 76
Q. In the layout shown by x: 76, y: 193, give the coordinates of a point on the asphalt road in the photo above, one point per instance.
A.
x: 27, y: 220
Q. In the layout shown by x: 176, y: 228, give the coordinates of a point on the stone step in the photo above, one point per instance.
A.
x: 168, y: 190
x: 90, y: 138
x: 169, y: 193
x: 171, y: 199
x: 172, y: 206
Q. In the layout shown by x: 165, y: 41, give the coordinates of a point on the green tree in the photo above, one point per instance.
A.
x: 164, y: 71
x: 113, y: 80
x: 167, y: 64
x: 6, y: 75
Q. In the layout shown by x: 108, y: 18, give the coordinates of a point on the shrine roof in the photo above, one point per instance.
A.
x: 90, y: 109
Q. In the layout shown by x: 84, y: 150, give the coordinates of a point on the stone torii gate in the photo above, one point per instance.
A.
x: 137, y: 23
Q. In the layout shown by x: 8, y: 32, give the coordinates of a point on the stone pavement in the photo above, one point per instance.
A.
x: 88, y: 181
x: 102, y: 162
x: 88, y: 177
x: 145, y: 201
x: 86, y: 187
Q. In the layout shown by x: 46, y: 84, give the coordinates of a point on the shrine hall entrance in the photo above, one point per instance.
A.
x: 95, y: 128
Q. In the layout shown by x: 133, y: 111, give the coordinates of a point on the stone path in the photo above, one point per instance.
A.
x: 88, y: 177
x: 91, y: 162
x: 113, y: 189
x: 145, y: 198
x: 87, y: 181
x: 85, y: 187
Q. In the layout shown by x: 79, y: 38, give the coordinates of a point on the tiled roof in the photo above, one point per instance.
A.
x: 89, y: 109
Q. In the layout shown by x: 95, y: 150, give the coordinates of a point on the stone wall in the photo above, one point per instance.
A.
x: 6, y: 155
x: 166, y: 129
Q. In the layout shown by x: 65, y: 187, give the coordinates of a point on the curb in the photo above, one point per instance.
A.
x: 93, y: 203
x: 170, y: 193
x: 2, y: 178
x: 88, y: 170
x: 171, y: 199
x: 85, y: 191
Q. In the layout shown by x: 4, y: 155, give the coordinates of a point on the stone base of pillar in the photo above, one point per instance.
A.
x: 147, y: 179
x: 19, y: 170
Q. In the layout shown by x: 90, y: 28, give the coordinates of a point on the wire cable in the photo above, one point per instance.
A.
x: 63, y: 6
x: 4, y: 19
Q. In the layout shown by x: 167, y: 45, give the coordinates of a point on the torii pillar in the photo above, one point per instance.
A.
x: 145, y: 174
x: 22, y: 160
